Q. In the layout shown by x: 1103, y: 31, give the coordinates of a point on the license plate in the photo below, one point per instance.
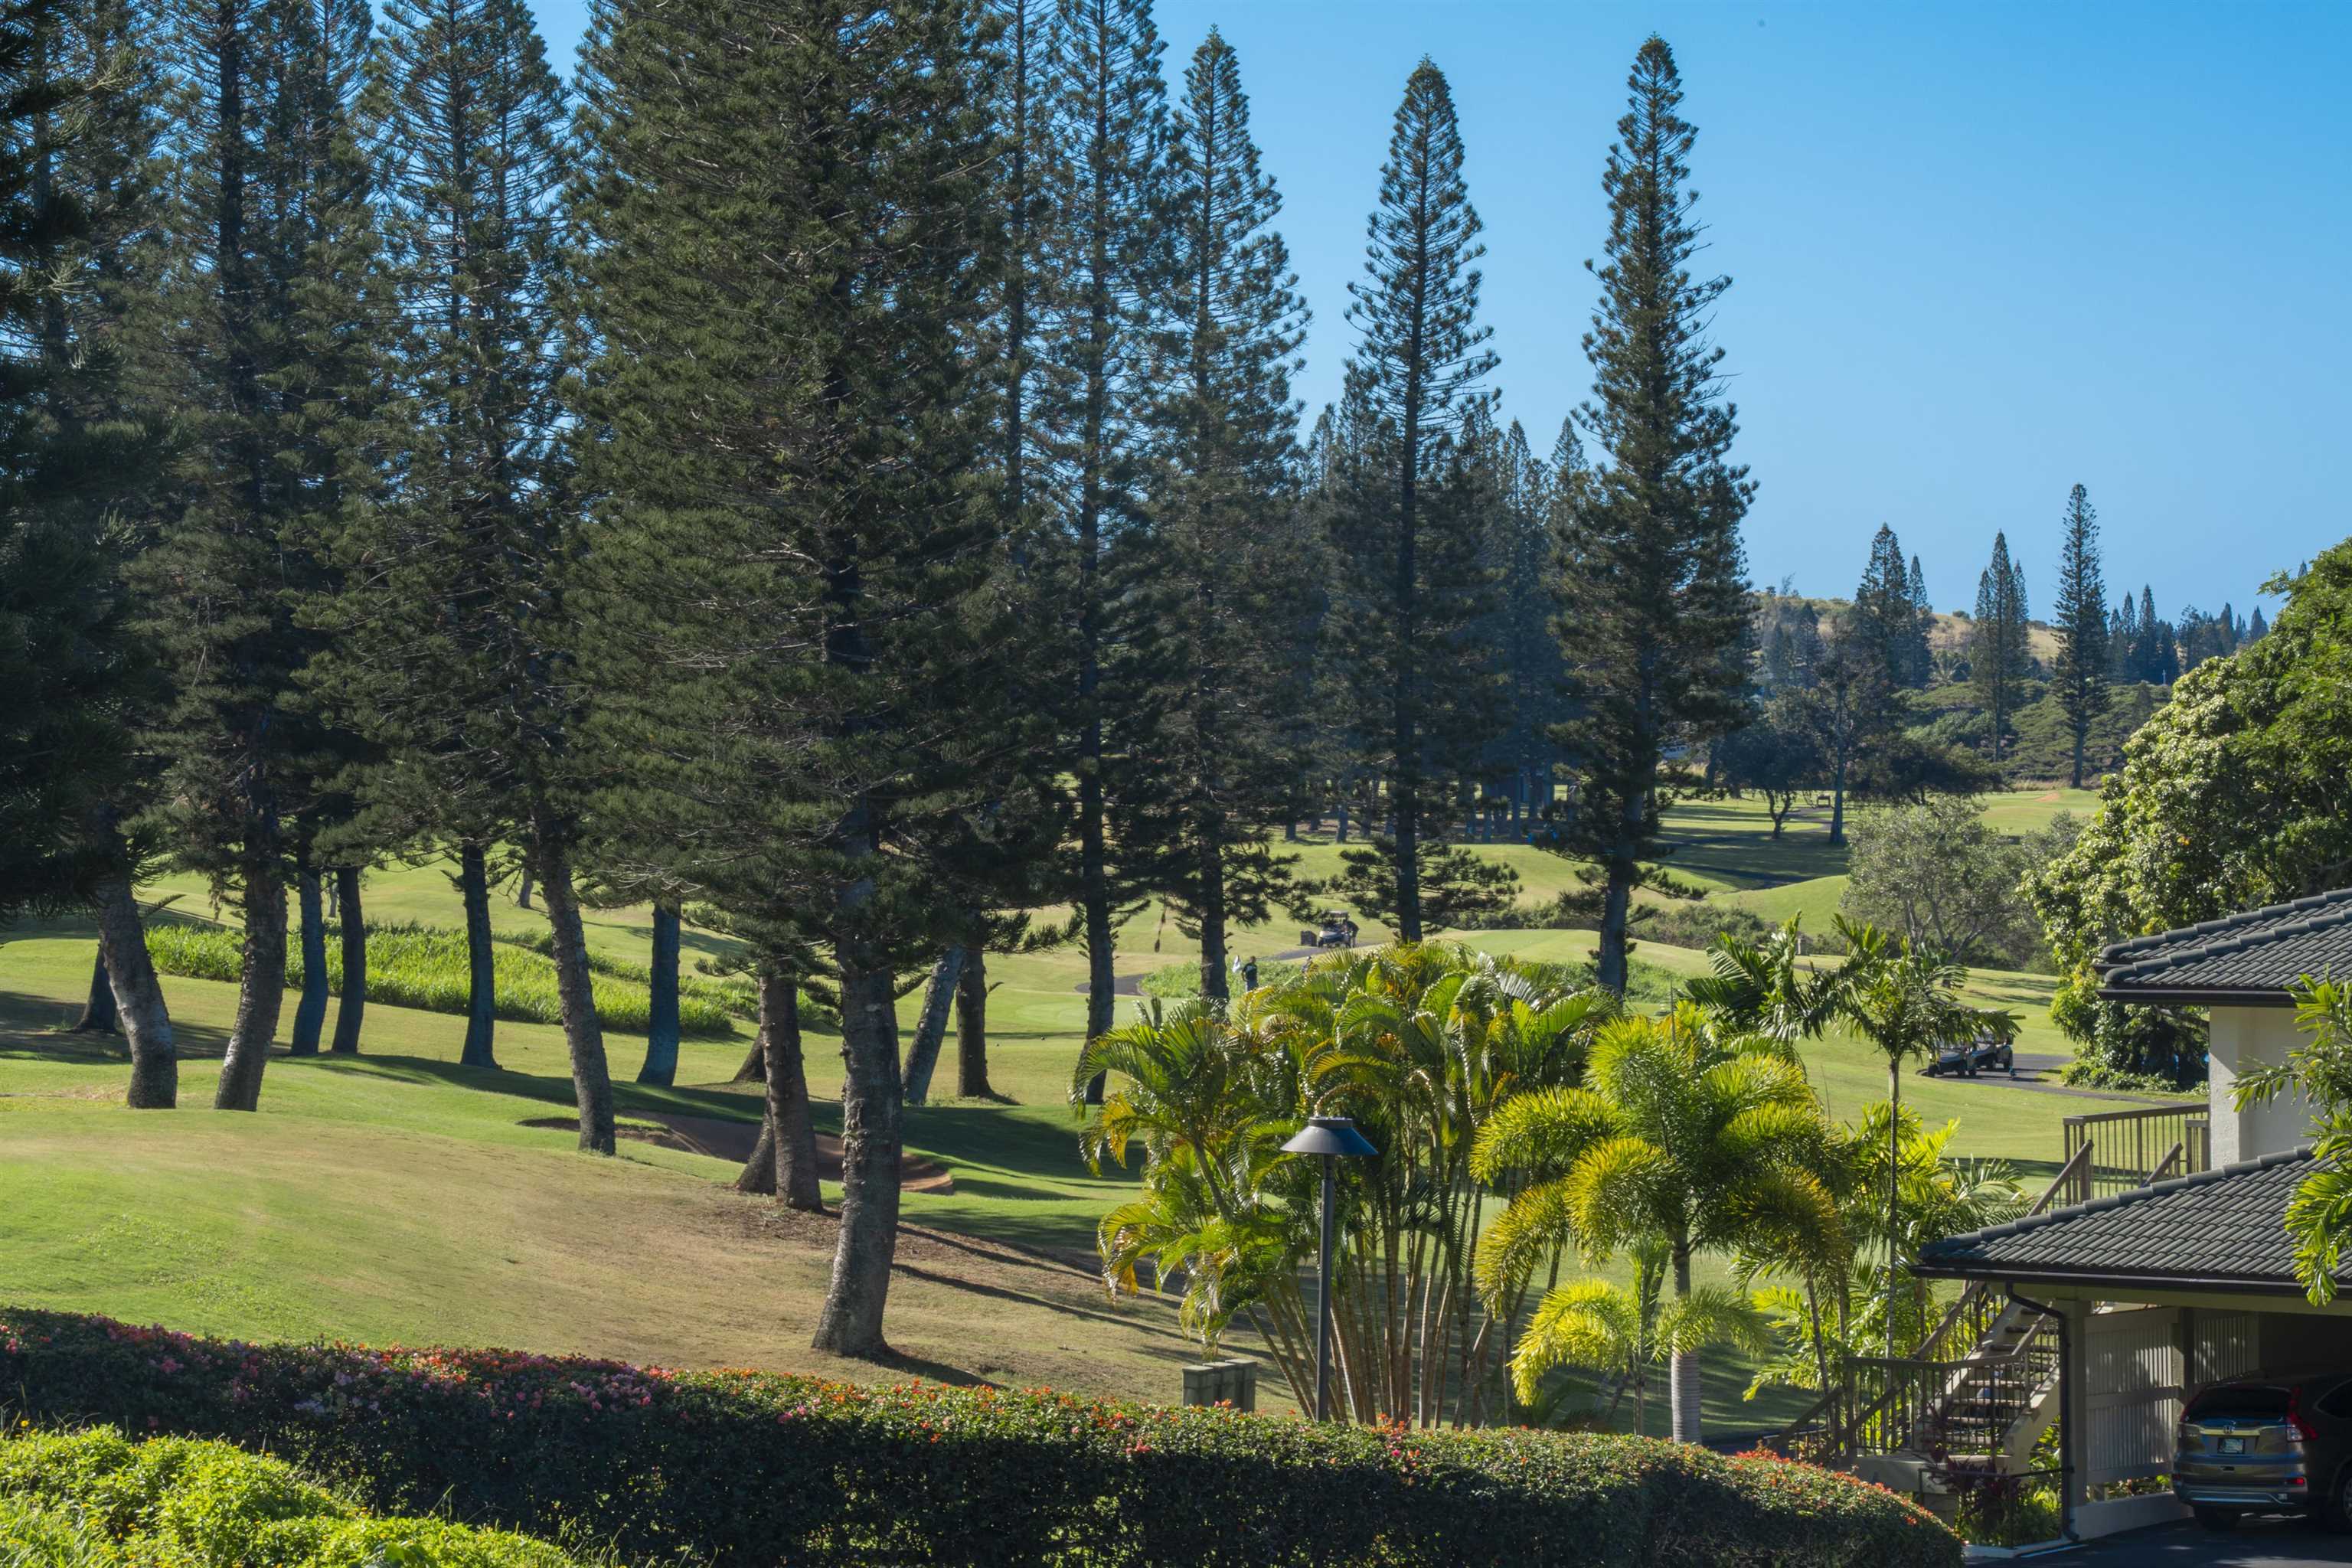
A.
x: 2233, y: 1444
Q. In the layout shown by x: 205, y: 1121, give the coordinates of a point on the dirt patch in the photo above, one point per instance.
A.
x: 720, y: 1139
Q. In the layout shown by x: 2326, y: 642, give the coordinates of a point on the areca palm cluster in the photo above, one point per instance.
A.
x: 1685, y: 1132
x: 1422, y: 1045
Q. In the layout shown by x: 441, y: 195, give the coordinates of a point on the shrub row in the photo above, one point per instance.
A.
x: 745, y: 1468
x: 426, y: 967
x: 96, y: 1499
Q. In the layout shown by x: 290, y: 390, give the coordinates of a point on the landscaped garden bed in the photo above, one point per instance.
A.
x: 751, y: 1468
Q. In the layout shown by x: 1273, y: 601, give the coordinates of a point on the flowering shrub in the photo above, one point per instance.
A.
x: 97, y: 1497
x: 752, y: 1467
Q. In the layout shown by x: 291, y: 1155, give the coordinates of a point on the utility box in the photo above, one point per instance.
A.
x: 1233, y: 1383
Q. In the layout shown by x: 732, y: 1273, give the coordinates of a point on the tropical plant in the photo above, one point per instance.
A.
x: 1904, y: 1000
x: 1684, y: 1131
x: 1421, y: 1044
x: 1758, y: 987
x: 1592, y: 1322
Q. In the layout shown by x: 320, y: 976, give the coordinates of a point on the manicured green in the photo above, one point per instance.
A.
x: 742, y: 1467
x: 97, y: 1500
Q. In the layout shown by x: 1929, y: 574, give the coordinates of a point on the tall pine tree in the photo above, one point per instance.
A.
x: 449, y: 644
x: 280, y: 317
x: 1652, y: 591
x: 797, y: 520
x: 1209, y: 717
x: 1105, y: 184
x: 2079, y: 679
x: 1999, y: 659
x: 1414, y: 575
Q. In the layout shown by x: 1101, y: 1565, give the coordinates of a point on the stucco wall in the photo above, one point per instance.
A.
x: 2243, y: 1039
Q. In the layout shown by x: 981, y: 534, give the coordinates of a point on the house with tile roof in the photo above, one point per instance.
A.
x: 2158, y: 1261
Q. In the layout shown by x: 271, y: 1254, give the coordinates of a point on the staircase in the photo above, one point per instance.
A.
x: 1977, y: 1395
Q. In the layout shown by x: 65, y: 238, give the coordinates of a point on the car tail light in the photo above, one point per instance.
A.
x: 2295, y: 1418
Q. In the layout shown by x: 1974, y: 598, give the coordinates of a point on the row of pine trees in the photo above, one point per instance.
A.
x: 832, y: 472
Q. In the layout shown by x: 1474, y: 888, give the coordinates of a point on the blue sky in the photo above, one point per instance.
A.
x: 1980, y: 252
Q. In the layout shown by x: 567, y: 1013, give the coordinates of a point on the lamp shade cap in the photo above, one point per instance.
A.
x: 1330, y: 1135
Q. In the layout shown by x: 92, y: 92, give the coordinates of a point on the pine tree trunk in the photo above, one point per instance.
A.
x: 850, y: 1323
x: 352, y: 1009
x: 931, y: 1025
x: 661, y: 1022
x: 972, y: 1028
x: 784, y: 1161
x: 1095, y: 896
x: 1682, y: 1370
x: 1617, y: 903
x: 2081, y: 733
x: 592, y: 1079
x: 481, y: 970
x: 138, y: 999
x: 310, y: 1013
x: 522, y: 889
x: 1214, y: 987
x: 98, y: 1014
x: 755, y: 1066
x: 261, y: 990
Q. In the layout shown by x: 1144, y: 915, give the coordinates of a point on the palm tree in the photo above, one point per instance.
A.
x: 1594, y: 1323
x: 1905, y: 1001
x: 1681, y: 1131
x: 1758, y: 987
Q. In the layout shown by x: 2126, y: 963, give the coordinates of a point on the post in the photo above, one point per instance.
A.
x: 1323, y: 1299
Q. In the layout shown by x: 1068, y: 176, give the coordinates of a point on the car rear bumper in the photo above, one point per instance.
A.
x: 2266, y: 1499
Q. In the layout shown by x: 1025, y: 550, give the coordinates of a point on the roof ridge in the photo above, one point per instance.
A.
x: 2331, y: 907
x: 2033, y: 1222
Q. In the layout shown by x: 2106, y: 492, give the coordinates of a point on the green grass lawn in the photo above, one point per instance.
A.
x: 399, y: 1196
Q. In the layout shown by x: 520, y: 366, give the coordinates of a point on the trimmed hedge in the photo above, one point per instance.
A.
x: 67, y: 1501
x: 751, y: 1467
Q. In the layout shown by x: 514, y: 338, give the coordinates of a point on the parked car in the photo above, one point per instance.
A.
x: 2268, y: 1443
x: 1986, y: 1053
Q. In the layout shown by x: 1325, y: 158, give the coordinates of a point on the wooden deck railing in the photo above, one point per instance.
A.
x: 2132, y: 1146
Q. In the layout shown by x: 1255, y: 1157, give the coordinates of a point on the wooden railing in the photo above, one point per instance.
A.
x: 2132, y: 1146
x: 1856, y: 1419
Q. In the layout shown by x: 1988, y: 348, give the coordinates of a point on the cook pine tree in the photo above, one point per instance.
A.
x: 449, y: 636
x: 1103, y: 180
x: 1207, y: 718
x: 1653, y: 596
x: 796, y: 524
x: 1414, y: 578
x: 2079, y: 675
x: 279, y: 309
x: 1999, y: 659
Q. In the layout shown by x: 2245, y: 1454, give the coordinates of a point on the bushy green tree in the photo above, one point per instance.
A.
x: 2229, y: 797
x: 1414, y: 578
x: 1653, y: 601
x: 1938, y: 874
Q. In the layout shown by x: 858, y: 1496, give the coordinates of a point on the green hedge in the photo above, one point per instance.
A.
x: 426, y: 967
x: 97, y: 1499
x: 745, y: 1468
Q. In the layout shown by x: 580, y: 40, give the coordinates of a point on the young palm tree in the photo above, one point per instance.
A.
x: 1681, y: 1131
x: 1905, y: 1001
x: 1595, y: 1323
x: 1759, y: 987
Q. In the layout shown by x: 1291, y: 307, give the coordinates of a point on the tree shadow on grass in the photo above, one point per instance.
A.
x: 37, y: 1029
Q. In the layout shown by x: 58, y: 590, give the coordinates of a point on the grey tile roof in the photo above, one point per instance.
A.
x: 2224, y: 1228
x: 2250, y: 958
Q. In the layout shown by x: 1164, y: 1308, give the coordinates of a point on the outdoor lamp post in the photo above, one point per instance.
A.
x: 1328, y: 1137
